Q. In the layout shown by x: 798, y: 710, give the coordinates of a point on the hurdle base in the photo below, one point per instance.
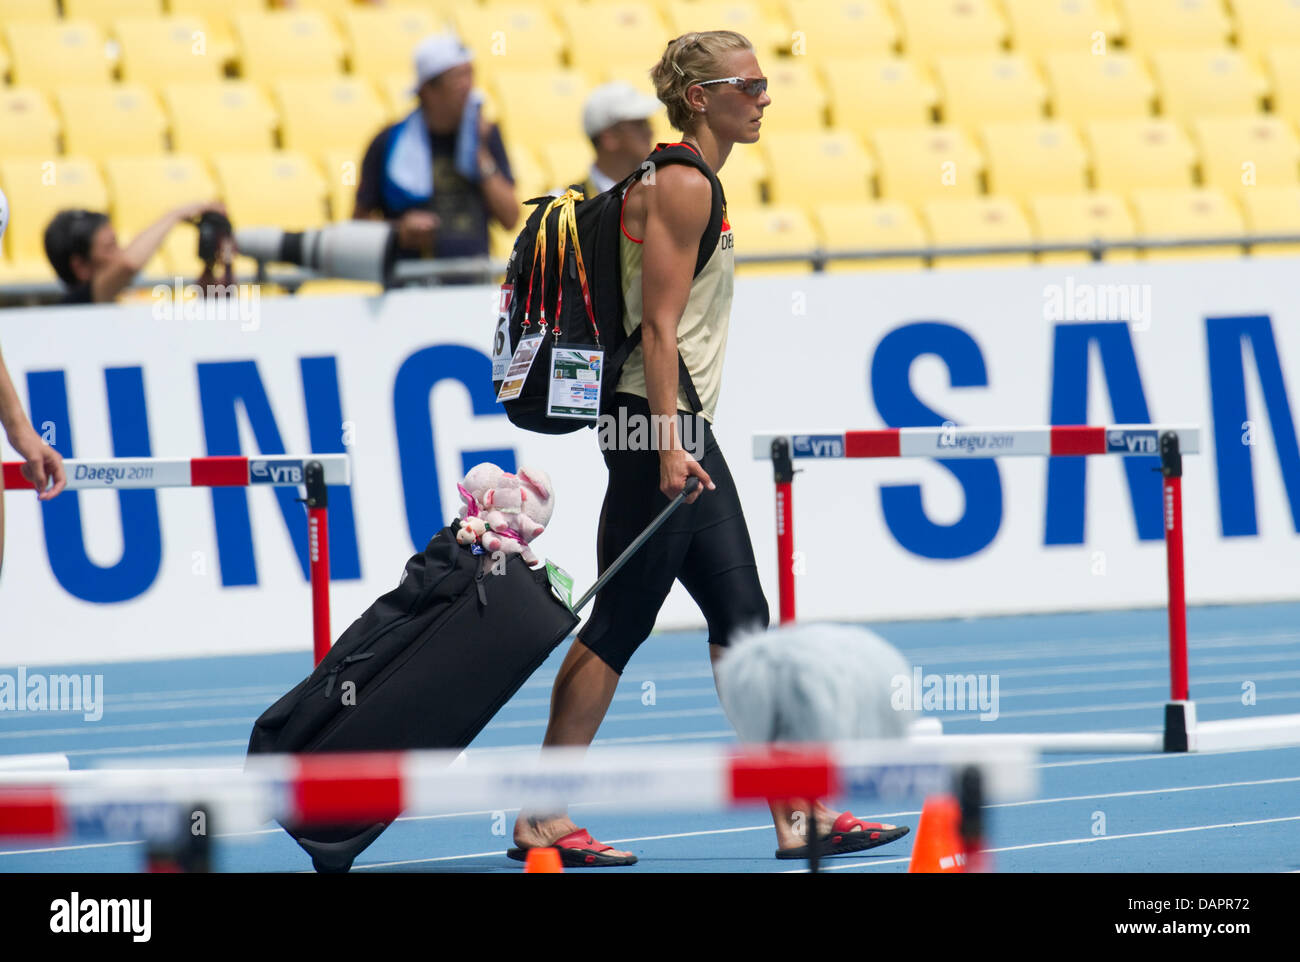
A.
x: 1180, y: 726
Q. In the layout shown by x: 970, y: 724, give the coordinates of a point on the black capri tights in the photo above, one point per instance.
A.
x: 704, y: 545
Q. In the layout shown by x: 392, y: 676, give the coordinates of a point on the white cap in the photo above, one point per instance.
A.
x: 612, y: 103
x: 436, y: 55
x: 4, y: 213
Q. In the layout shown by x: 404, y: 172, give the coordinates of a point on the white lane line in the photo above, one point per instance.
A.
x: 146, y: 749
x: 1048, y: 647
x: 96, y: 728
x: 1235, y: 679
x: 1078, y: 841
x: 1160, y: 756
x: 973, y: 715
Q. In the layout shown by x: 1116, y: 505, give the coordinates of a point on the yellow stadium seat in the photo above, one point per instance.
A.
x: 1273, y: 210
x: 379, y: 39
x: 1066, y: 25
x: 920, y: 163
x: 871, y: 92
x: 440, y: 10
x: 1174, y: 213
x: 287, y: 44
x: 1262, y: 24
x: 604, y: 35
x: 743, y: 16
x: 218, y: 18
x: 142, y: 189
x: 39, y: 189
x: 1155, y: 24
x: 977, y: 222
x: 330, y: 8
x: 1205, y: 82
x: 817, y: 168
x: 166, y: 50
x: 1084, y: 87
x: 280, y: 188
x: 1132, y: 154
x: 874, y: 225
x: 517, y: 36
x: 342, y: 174
x: 12, y: 11
x: 798, y: 100
x: 111, y: 119
x: 28, y: 127
x: 1037, y: 158
x: 398, y: 95
x: 316, y: 115
x: 744, y: 176
x: 63, y: 52
x: 538, y: 105
x: 933, y: 27
x: 567, y: 161
x: 988, y: 88
x: 1239, y: 155
x: 841, y: 28
x: 1082, y: 218
x: 1283, y: 65
x: 531, y: 178
x: 773, y: 230
x: 102, y: 13
x: 227, y: 115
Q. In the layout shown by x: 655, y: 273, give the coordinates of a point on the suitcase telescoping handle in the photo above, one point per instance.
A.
x: 691, y: 484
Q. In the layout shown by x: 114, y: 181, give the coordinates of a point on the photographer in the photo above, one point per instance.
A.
x: 83, y: 250
x: 441, y: 173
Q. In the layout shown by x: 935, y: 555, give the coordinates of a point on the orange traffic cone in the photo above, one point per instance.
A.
x: 938, y: 846
x: 543, y: 860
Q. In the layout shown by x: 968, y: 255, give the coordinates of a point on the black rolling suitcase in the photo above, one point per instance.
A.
x: 426, y: 666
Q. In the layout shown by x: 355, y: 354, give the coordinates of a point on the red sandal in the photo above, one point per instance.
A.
x: 579, y: 850
x: 848, y: 834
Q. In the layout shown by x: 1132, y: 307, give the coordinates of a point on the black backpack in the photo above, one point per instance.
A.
x: 537, y: 293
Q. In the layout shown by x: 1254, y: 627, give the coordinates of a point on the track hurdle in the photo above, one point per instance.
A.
x: 314, y: 472
x: 1169, y: 442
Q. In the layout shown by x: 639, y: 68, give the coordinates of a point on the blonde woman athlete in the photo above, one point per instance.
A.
x: 715, y: 94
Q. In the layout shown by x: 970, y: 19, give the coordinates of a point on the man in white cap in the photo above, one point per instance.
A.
x: 441, y: 173
x: 44, y: 465
x: 616, y: 117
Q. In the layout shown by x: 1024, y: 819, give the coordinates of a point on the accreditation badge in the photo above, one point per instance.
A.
x: 575, y: 381
x: 520, y: 364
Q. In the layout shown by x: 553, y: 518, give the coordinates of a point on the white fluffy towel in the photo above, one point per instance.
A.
x: 813, y: 682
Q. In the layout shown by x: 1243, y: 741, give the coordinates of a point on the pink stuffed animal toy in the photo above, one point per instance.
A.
x: 515, y: 508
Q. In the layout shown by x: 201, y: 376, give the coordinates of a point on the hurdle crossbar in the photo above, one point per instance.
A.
x: 314, y: 471
x: 310, y: 790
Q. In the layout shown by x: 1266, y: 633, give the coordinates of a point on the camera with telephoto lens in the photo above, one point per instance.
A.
x: 214, y: 229
x: 355, y: 250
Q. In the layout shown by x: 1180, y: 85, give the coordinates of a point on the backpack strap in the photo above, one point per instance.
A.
x: 685, y: 154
